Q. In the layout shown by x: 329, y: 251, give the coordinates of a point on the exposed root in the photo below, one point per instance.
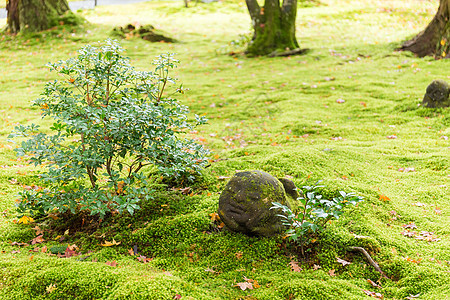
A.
x: 369, y: 258
x: 297, y: 51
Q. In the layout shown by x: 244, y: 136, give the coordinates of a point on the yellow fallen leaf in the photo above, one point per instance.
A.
x: 50, y: 288
x: 120, y: 186
x: 109, y: 244
x: 25, y: 220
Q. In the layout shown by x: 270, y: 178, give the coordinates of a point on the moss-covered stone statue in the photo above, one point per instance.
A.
x: 437, y: 95
x: 244, y: 205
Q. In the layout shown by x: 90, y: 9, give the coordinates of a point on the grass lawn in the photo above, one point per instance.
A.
x: 346, y: 112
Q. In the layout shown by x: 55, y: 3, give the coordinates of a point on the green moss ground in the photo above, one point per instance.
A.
x: 277, y: 115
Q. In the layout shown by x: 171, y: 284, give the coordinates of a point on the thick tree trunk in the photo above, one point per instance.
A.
x: 435, y: 39
x: 34, y: 15
x: 274, y: 27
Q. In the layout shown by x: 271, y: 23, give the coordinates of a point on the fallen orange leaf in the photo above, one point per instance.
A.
x: 111, y: 263
x: 214, y: 217
x: 383, y: 198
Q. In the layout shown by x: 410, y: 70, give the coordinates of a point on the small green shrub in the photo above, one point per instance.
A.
x: 315, y: 212
x: 111, y: 122
x: 236, y: 46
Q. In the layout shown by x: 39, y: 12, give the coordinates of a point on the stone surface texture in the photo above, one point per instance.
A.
x: 437, y: 95
x: 244, y: 205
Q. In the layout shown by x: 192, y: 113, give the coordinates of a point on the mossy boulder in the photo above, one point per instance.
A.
x: 437, y: 95
x: 244, y: 205
x: 146, y: 32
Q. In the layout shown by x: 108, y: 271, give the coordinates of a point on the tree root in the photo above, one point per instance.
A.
x: 297, y: 51
x: 369, y: 258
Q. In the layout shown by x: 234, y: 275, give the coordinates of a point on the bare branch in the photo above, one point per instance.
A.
x: 369, y: 258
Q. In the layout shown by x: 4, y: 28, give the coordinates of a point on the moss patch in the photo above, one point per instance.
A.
x: 278, y: 115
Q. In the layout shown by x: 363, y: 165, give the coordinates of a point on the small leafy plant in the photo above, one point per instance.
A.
x: 315, y: 212
x: 236, y: 46
x: 111, y: 122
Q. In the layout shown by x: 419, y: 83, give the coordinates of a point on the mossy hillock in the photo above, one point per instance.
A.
x: 279, y: 115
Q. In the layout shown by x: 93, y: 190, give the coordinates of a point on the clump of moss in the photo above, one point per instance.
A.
x: 20, y: 233
x: 318, y: 290
x: 48, y: 278
x: 68, y: 18
x: 145, y: 32
x: 169, y: 234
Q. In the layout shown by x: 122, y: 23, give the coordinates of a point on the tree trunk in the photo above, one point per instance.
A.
x: 274, y: 27
x: 34, y: 15
x: 435, y: 39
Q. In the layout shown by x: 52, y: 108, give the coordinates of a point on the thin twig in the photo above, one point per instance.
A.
x: 369, y: 258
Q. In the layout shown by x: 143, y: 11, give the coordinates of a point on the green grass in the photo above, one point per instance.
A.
x: 279, y: 115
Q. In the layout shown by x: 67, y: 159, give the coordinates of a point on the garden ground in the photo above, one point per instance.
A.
x: 346, y: 112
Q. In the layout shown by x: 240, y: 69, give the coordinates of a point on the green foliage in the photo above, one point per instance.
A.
x: 110, y: 122
x: 236, y: 45
x: 315, y: 212
x: 58, y: 249
x: 360, y: 65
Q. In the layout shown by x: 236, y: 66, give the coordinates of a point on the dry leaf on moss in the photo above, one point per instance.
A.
x: 294, y: 266
x: 111, y: 263
x: 25, y: 220
x: 373, y: 284
x: 50, y: 288
x: 109, y: 244
x: 37, y: 240
x: 373, y: 294
x: 244, y: 285
x: 343, y: 262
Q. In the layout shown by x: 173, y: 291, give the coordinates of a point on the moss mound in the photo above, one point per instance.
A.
x: 145, y: 32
